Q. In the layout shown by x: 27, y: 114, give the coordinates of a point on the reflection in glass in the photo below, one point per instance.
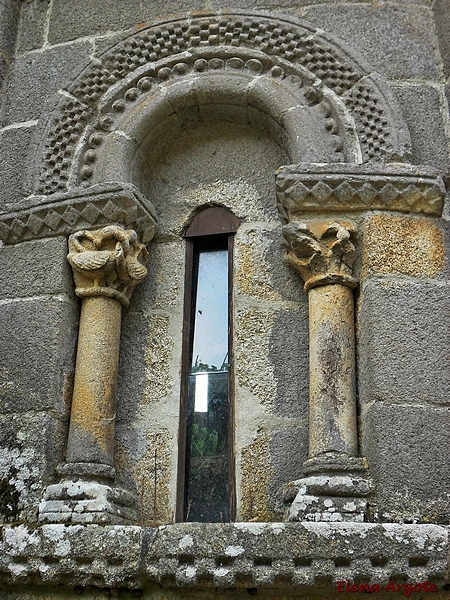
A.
x: 207, y: 462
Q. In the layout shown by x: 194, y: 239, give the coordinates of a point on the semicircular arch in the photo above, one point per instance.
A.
x: 316, y: 99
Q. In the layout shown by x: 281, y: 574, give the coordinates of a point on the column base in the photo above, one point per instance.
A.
x: 87, y: 497
x: 335, y: 488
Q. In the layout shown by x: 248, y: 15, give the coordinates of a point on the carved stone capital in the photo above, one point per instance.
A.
x: 107, y: 262
x: 322, y: 252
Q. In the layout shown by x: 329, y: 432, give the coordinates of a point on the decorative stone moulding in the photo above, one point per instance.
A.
x: 292, y: 557
x: 81, y: 208
x: 359, y: 113
x: 350, y: 187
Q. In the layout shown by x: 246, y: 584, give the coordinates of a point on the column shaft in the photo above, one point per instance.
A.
x: 332, y: 407
x: 91, y: 433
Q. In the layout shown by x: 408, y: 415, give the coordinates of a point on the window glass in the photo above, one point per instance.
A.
x: 207, y: 471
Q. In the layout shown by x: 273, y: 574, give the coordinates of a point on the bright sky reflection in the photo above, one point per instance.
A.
x: 211, y: 310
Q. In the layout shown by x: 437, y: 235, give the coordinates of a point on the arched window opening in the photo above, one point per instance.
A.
x: 206, y: 490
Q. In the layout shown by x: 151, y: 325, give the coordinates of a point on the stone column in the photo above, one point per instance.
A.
x: 334, y: 486
x: 107, y: 264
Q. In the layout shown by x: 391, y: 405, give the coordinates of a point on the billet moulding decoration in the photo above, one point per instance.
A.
x: 334, y: 486
x: 107, y: 264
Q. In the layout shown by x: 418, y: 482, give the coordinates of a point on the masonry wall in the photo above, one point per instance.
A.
x: 402, y: 303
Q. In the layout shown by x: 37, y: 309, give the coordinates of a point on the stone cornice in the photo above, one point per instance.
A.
x: 81, y: 208
x: 247, y: 555
x: 350, y: 187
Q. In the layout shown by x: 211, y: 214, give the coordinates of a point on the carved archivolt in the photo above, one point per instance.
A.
x: 310, y: 67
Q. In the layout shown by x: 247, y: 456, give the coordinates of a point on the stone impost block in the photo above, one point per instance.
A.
x: 81, y: 208
x: 350, y: 187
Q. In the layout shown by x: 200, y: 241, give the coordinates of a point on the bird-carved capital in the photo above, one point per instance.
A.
x: 322, y: 252
x: 107, y: 262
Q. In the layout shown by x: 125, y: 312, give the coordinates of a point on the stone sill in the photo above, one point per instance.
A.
x: 238, y: 555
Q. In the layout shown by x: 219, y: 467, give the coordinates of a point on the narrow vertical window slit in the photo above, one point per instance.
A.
x: 206, y: 469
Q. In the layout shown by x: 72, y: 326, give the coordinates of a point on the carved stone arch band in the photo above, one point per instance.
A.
x: 306, y: 67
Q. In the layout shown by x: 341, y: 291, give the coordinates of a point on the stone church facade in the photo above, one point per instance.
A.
x: 303, y: 147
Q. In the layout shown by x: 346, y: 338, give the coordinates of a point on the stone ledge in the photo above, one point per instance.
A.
x: 262, y: 555
x: 80, y: 208
x: 350, y: 187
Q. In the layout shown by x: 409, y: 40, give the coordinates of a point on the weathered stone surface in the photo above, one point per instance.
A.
x: 86, y: 502
x: 79, y: 19
x: 178, y: 183
x: 289, y: 354
x: 35, y: 78
x: 346, y: 506
x: 403, y: 342
x: 288, y: 451
x: 31, y: 444
x: 406, y: 447
x: 38, y: 343
x: 253, y: 368
x: 35, y: 268
x: 402, y: 246
x: 442, y: 15
x: 9, y: 16
x: 61, y: 214
x: 32, y: 25
x: 396, y: 39
x: 114, y: 560
x: 422, y: 110
x: 14, y: 156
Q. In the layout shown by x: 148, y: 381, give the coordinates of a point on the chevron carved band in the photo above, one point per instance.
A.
x: 81, y: 208
x: 351, y: 187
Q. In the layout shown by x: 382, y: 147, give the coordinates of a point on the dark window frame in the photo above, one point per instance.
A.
x: 208, y: 228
